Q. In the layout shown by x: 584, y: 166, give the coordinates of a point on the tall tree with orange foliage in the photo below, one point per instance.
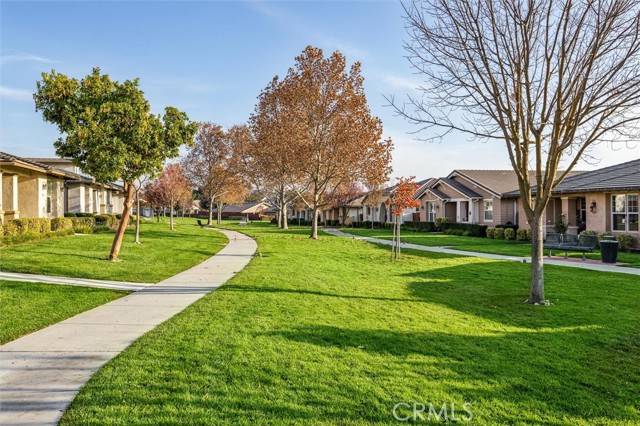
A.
x: 337, y: 139
x: 213, y: 164
x: 401, y: 198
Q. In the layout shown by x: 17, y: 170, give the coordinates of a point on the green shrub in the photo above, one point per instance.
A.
x: 625, y: 241
x: 83, y: 229
x: 604, y: 234
x: 509, y: 234
x: 419, y: 226
x: 491, y: 233
x: 69, y: 214
x: 499, y: 234
x: 85, y: 214
x: 440, y: 221
x: 83, y: 221
x: 101, y: 229
x: 560, y: 225
x: 109, y: 220
x: 474, y: 229
x: 31, y: 236
x: 523, y: 235
x: 61, y: 223
x: 32, y: 224
x: 10, y: 229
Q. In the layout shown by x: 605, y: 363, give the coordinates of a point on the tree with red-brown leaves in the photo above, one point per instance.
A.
x: 401, y: 198
x: 173, y: 185
x: 344, y: 196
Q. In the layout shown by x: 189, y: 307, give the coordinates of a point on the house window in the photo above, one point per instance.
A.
x: 108, y: 197
x: 488, y: 210
x: 432, y: 212
x: 49, y: 195
x: 624, y: 212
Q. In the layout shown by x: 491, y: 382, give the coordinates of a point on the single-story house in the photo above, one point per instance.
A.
x: 603, y: 200
x: 82, y: 193
x: 381, y: 212
x: 471, y: 196
x: 30, y: 189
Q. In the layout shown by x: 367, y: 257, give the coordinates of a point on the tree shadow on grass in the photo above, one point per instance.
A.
x: 517, y: 369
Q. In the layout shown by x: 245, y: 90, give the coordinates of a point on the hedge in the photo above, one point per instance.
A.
x: 420, y: 226
x: 474, y: 229
x: 109, y: 220
x: 58, y: 223
x: 29, y: 236
x: 625, y: 240
x: 83, y: 221
x: 498, y: 234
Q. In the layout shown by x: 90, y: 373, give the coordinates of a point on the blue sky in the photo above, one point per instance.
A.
x: 212, y: 59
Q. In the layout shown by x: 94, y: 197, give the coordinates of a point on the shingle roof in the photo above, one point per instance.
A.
x: 460, y: 188
x: 438, y: 193
x: 620, y: 177
x: 496, y: 181
x: 6, y: 157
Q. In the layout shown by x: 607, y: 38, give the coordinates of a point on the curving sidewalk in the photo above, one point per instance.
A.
x: 41, y: 373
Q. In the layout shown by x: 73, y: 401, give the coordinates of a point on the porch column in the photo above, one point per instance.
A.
x: 10, y: 196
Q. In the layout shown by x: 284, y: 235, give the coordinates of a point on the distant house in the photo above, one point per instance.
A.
x: 254, y: 210
x: 604, y: 200
x: 382, y: 212
x: 354, y: 212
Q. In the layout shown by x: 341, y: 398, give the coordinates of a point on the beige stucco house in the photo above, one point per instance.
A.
x: 82, y: 193
x: 604, y: 200
x: 30, y: 189
x: 48, y: 188
x: 470, y: 196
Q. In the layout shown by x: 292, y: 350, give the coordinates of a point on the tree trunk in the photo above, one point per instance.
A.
x: 314, y: 224
x: 398, y: 236
x: 171, y: 215
x: 219, y: 216
x: 137, y: 239
x: 122, y: 226
x: 537, y: 262
x: 210, y: 221
x: 285, y: 220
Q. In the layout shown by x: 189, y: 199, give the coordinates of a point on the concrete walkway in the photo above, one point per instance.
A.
x: 42, y: 372
x: 571, y: 264
x: 81, y: 282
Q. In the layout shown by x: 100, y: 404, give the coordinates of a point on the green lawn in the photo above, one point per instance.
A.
x: 27, y: 307
x: 331, y: 332
x: 163, y: 253
x: 480, y: 245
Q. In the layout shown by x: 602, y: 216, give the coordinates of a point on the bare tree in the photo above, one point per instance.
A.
x: 549, y: 78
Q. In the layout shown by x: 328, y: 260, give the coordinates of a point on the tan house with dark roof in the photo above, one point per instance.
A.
x: 48, y: 188
x: 470, y: 196
x: 603, y: 200
x: 82, y: 193
x: 30, y: 189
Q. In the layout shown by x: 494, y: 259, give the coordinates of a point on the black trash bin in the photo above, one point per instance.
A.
x: 609, y: 251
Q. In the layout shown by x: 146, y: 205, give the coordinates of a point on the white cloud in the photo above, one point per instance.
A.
x: 24, y: 57
x: 399, y: 82
x: 8, y: 93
